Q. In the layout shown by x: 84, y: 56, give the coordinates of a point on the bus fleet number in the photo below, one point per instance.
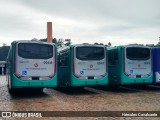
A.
x: 47, y: 62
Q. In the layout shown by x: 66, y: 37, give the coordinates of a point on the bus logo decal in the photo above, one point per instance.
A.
x: 24, y: 72
x: 139, y: 65
x: 35, y: 65
x: 81, y: 72
x: 91, y: 66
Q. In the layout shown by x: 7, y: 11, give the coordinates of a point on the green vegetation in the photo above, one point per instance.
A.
x: 4, y: 52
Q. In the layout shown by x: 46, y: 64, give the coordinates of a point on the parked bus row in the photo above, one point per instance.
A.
x: 35, y: 64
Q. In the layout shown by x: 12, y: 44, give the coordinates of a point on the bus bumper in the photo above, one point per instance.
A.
x: 88, y: 82
x: 126, y: 80
x: 18, y: 83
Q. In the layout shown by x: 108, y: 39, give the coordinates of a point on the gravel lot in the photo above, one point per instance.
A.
x: 132, y: 98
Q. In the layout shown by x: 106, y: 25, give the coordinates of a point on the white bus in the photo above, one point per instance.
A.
x: 82, y: 65
x: 31, y: 64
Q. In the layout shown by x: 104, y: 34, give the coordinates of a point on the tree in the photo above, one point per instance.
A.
x: 67, y: 42
x: 109, y: 44
x: 96, y: 43
x: 59, y: 42
x: 101, y: 44
x: 34, y: 39
x: 158, y: 44
x: 4, y: 52
x: 54, y: 40
x: 43, y: 40
x: 4, y: 44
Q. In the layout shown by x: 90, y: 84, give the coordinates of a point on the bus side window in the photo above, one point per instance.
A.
x: 113, y: 57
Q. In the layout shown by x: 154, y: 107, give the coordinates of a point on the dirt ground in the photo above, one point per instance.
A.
x: 124, y: 98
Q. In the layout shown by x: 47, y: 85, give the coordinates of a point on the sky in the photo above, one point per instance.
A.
x: 120, y: 22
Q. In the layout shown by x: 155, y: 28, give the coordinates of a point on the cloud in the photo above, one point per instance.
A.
x: 120, y: 22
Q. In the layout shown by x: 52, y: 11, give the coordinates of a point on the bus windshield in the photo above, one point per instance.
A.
x: 89, y: 53
x: 136, y: 53
x: 35, y: 51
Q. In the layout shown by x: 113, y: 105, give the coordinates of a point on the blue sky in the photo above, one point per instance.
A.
x: 117, y: 21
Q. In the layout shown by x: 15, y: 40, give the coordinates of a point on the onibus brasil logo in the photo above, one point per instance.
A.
x: 20, y: 114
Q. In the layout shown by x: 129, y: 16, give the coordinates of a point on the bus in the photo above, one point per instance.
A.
x: 31, y: 64
x: 156, y: 65
x: 130, y: 64
x: 82, y: 65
